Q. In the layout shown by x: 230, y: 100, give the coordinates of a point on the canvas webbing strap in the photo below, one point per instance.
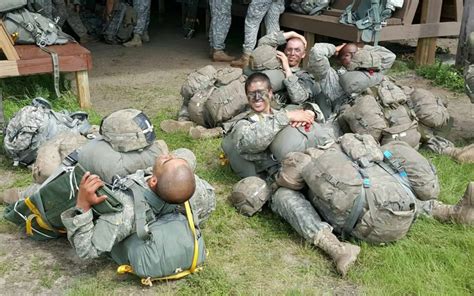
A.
x: 193, y: 268
x: 358, y: 205
x: 36, y: 214
x: 141, y: 208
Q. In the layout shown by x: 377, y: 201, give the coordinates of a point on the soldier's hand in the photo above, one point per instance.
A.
x: 338, y: 48
x: 300, y: 116
x: 87, y: 196
x: 284, y: 63
x: 292, y: 34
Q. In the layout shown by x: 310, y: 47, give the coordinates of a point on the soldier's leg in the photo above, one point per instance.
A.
x: 272, y: 18
x: 296, y: 210
x: 76, y: 24
x: 255, y: 13
x: 203, y: 201
x: 242, y: 167
x: 142, y: 7
x: 60, y: 10
x: 221, y: 17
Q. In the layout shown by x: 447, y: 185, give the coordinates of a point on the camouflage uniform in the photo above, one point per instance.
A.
x: 300, y: 87
x: 221, y: 17
x: 142, y: 8
x: 257, y: 10
x: 328, y: 78
x: 247, y: 142
x: 91, y: 238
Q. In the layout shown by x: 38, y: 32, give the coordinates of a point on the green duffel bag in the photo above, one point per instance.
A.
x: 7, y: 5
x: 40, y: 213
x: 175, y: 249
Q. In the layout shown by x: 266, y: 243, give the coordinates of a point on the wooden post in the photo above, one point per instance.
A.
x: 6, y: 44
x: 82, y: 83
x: 467, y: 26
x: 426, y: 48
x: 310, y: 40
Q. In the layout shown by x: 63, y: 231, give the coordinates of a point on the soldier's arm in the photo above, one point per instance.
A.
x: 300, y: 87
x: 273, y: 39
x: 386, y: 56
x: 255, y: 137
x: 318, y: 63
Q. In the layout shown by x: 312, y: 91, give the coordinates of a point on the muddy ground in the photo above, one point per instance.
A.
x: 147, y: 78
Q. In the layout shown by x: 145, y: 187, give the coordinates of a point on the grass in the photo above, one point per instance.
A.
x: 263, y: 255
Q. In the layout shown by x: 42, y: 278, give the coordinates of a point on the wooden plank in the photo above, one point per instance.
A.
x: 6, y: 44
x: 467, y: 26
x: 310, y: 40
x: 82, y: 82
x: 426, y: 48
x: 44, y: 65
x: 410, y: 15
x: 8, y: 69
x: 420, y: 31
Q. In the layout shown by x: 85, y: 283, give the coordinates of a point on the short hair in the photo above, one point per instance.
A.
x: 296, y: 38
x: 176, y: 184
x: 257, y: 77
x: 348, y: 48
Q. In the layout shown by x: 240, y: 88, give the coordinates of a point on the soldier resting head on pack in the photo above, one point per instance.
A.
x: 345, y: 52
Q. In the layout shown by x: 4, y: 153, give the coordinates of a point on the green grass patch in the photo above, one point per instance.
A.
x: 443, y: 75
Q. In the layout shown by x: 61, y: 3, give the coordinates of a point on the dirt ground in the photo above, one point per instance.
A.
x: 147, y: 78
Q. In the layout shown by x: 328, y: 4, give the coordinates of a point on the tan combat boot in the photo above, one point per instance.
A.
x: 343, y: 254
x: 136, y: 41
x: 219, y: 55
x: 145, y: 37
x: 462, y: 212
x: 242, y: 62
x: 200, y: 132
x: 173, y: 126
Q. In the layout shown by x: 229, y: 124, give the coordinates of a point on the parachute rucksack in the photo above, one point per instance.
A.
x: 35, y: 124
x: 311, y: 7
x: 33, y: 28
x: 127, y: 130
x: 429, y: 109
x: 369, y: 16
x: 198, y: 80
x: 365, y: 197
x: 8, y: 5
x: 225, y: 102
x: 40, y: 213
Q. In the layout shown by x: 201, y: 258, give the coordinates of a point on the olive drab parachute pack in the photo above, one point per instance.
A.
x: 223, y: 98
x: 310, y: 7
x: 35, y: 124
x: 361, y: 190
x: 370, y: 16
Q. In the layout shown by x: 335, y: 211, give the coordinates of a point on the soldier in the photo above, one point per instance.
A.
x: 92, y: 238
x: 255, y: 143
x: 256, y: 12
x: 328, y: 78
x: 221, y: 17
x: 140, y: 32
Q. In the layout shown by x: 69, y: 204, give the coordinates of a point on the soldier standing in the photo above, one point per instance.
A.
x: 221, y: 17
x: 140, y: 32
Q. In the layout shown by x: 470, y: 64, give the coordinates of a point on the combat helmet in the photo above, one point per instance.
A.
x: 249, y: 195
x: 264, y: 57
x: 127, y: 130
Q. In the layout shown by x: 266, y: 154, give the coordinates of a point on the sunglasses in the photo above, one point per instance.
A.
x: 257, y: 96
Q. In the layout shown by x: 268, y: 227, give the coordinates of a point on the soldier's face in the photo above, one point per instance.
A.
x: 163, y: 163
x: 259, y: 96
x: 294, y: 51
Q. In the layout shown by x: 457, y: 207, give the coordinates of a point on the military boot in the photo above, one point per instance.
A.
x: 200, y: 132
x: 462, y: 212
x: 343, y: 254
x: 145, y: 37
x: 136, y: 41
x: 219, y: 55
x: 242, y: 62
x: 183, y: 114
x: 173, y: 126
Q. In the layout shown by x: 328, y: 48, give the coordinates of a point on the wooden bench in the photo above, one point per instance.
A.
x: 30, y: 59
x: 420, y: 19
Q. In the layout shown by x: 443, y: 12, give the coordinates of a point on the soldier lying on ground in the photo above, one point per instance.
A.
x: 260, y: 138
x: 369, y: 61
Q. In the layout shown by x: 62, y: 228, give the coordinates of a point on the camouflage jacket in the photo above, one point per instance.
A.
x: 92, y: 238
x: 300, y: 87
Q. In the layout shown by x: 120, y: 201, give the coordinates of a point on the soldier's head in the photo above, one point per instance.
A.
x: 295, y: 51
x: 346, y: 53
x: 173, y: 179
x: 259, y: 92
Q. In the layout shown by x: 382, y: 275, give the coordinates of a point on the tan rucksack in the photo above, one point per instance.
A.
x: 225, y: 102
x: 198, y: 80
x: 429, y: 109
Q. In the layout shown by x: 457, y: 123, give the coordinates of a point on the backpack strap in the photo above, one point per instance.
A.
x: 192, y: 269
x: 358, y: 205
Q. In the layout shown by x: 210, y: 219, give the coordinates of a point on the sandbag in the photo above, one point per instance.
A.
x: 429, y: 109
x: 51, y: 154
x: 197, y: 108
x: 101, y: 159
x: 421, y: 172
x: 198, y: 80
x: 226, y: 102
x: 365, y: 116
x: 355, y: 82
x: 169, y: 250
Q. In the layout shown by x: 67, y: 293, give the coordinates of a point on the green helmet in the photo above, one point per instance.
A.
x: 127, y: 130
x: 249, y: 195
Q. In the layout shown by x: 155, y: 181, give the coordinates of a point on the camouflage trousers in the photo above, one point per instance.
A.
x: 221, y: 17
x: 292, y: 206
x: 142, y: 7
x: 256, y: 12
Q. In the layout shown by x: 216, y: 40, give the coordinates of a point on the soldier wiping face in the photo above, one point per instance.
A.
x: 295, y: 51
x: 259, y: 92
